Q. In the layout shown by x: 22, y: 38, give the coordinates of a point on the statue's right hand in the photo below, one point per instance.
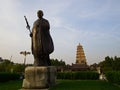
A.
x: 31, y: 34
x: 28, y: 27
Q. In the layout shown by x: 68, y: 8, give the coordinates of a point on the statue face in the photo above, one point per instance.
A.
x: 40, y: 14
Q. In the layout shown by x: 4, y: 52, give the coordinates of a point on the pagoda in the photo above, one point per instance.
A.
x: 80, y: 55
x: 81, y: 64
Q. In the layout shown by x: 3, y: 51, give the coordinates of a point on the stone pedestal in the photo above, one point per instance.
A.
x: 39, y: 78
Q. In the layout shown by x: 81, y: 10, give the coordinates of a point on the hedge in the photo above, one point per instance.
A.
x: 113, y: 76
x: 82, y: 75
x: 4, y: 76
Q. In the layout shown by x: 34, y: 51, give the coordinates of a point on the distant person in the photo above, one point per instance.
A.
x: 42, y: 44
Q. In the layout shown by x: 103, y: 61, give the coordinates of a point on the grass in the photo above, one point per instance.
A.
x: 67, y: 85
x: 84, y: 85
x: 11, y: 85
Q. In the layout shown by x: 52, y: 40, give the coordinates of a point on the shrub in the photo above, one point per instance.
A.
x: 4, y: 77
x: 113, y: 76
x: 83, y: 75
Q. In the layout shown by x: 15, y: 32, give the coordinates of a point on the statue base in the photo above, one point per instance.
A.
x: 39, y: 78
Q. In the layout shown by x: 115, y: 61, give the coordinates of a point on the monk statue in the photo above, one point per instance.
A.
x: 42, y: 44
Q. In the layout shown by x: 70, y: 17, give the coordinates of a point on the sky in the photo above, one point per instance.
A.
x: 94, y: 24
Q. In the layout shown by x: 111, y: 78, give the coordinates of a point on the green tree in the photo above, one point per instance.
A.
x: 110, y: 64
x: 56, y: 62
x: 6, y: 65
x: 116, y: 64
x: 18, y: 68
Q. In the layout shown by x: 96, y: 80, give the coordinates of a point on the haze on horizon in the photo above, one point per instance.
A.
x: 95, y: 24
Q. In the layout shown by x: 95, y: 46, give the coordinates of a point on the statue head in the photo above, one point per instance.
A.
x: 40, y: 13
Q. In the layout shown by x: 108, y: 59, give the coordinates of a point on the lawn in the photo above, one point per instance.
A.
x: 11, y: 85
x: 67, y: 85
x: 84, y: 85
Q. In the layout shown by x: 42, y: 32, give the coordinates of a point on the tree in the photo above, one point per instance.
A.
x: 116, y: 64
x: 18, y: 68
x: 56, y: 62
x: 110, y: 64
x: 6, y: 65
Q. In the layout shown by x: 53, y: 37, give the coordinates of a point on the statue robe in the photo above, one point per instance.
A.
x: 42, y: 43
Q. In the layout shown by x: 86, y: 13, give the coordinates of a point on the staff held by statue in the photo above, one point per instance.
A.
x: 28, y: 26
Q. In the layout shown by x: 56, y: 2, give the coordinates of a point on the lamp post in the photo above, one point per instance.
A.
x: 25, y: 53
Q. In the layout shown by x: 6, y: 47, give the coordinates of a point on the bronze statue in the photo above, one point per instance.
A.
x: 42, y: 44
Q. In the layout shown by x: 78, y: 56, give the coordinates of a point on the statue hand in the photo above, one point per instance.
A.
x: 31, y: 34
x: 28, y: 27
